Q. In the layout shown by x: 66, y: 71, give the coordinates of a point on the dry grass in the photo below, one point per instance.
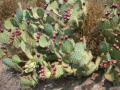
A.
x: 95, y: 9
x: 7, y: 7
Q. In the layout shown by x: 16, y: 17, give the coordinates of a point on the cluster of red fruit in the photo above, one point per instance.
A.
x: 37, y: 36
x: 116, y: 46
x: 45, y: 6
x: 106, y: 64
x: 42, y: 71
x: 62, y: 38
x: 14, y: 35
x: 67, y: 15
x: 114, y: 5
x: 53, y: 69
x: 108, y: 13
x: 54, y: 36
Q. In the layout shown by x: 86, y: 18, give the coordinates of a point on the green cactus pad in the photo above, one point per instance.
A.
x: 48, y: 29
x: 4, y: 37
x: 104, y: 46
x: 104, y: 24
x: 115, y: 54
x: 43, y: 41
x: 16, y: 59
x: 11, y: 64
x: 67, y: 46
x: 27, y: 82
x: 59, y: 71
x: 40, y: 12
x: 8, y: 25
x: 30, y: 66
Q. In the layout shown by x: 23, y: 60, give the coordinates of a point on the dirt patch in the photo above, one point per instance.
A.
x: 8, y: 80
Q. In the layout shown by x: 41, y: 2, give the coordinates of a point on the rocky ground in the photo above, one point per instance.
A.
x: 10, y: 81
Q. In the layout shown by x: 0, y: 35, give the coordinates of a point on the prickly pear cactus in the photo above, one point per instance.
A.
x: 109, y: 25
x: 80, y: 56
x: 39, y: 42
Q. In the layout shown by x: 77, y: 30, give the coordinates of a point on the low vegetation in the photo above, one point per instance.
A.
x: 53, y: 39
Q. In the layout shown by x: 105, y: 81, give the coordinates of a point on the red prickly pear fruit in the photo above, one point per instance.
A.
x: 17, y: 32
x: 62, y: 37
x: 54, y: 36
x: 38, y: 37
x: 105, y: 65
x: 117, y: 47
x: 1, y: 30
x: 67, y: 15
x: 65, y: 0
x: 110, y: 62
x: 114, y: 5
x: 54, y: 69
x: 56, y: 33
x: 38, y: 33
x: 45, y: 6
x: 66, y: 37
x: 42, y: 70
x: 53, y: 65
